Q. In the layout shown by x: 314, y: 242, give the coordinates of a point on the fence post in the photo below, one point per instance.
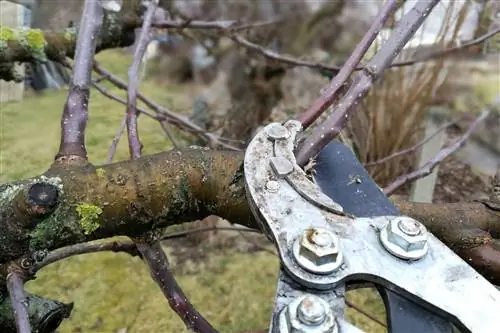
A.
x: 423, y: 189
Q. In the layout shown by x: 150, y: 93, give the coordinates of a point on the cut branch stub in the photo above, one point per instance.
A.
x: 45, y: 314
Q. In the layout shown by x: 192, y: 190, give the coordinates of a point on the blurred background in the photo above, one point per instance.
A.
x: 231, y: 90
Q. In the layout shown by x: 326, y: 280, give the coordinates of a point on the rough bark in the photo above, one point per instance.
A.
x: 126, y: 198
x: 32, y: 45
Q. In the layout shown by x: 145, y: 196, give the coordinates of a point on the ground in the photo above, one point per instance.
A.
x: 229, y: 278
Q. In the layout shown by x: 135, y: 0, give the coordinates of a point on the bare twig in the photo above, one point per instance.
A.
x: 427, y: 168
x: 155, y: 258
x: 291, y: 60
x: 75, y: 115
x: 83, y: 248
x: 134, y: 143
x: 121, y: 246
x: 231, y: 25
x: 364, y: 80
x: 330, y: 93
x: 116, y: 140
x: 15, y: 286
x: 167, y: 115
x: 448, y: 51
x: 412, y: 148
x: 363, y: 312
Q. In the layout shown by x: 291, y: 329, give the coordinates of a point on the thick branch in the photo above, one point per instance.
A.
x: 29, y: 45
x: 127, y: 198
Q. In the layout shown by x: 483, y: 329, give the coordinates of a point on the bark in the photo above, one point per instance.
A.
x: 68, y: 205
x: 126, y: 198
x: 35, y: 45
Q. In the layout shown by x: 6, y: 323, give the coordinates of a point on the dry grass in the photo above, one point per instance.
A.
x: 394, y: 112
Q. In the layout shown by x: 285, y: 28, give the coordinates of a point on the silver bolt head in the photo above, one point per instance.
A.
x: 310, y: 311
x: 317, y: 251
x: 405, y: 238
x: 292, y: 316
x: 278, y: 132
x: 272, y: 186
x: 281, y: 166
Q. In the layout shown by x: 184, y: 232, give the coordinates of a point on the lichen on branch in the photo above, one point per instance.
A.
x: 32, y: 45
x: 126, y: 198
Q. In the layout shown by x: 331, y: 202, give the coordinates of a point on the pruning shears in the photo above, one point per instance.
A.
x: 333, y: 234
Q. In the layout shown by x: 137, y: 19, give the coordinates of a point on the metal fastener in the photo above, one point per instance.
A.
x: 405, y: 238
x: 307, y: 314
x: 272, y: 186
x: 278, y: 132
x: 317, y: 251
x: 281, y: 166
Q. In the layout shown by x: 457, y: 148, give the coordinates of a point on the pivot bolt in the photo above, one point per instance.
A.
x: 278, y: 132
x: 272, y: 186
x: 317, y: 251
x: 405, y: 238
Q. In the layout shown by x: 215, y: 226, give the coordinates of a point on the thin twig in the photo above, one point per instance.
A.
x: 427, y: 168
x: 364, y: 80
x: 155, y: 258
x: 330, y: 93
x: 84, y: 248
x: 15, y: 286
x: 363, y: 312
x: 448, y: 51
x: 121, y: 246
x: 180, y: 121
x: 134, y: 142
x: 75, y: 114
x: 231, y: 25
x: 412, y: 148
x: 293, y: 61
x: 116, y: 140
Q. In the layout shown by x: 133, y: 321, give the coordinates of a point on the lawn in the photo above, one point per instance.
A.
x: 113, y: 292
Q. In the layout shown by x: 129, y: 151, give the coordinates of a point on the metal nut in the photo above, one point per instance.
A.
x: 272, y: 186
x: 307, y: 314
x: 317, y: 251
x: 278, y: 132
x: 405, y: 238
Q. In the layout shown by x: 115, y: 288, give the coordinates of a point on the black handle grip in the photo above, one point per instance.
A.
x: 344, y: 179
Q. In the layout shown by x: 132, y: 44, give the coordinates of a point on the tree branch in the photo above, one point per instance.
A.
x: 155, y: 258
x: 363, y: 81
x: 330, y: 93
x: 134, y: 143
x: 427, y: 168
x: 75, y: 114
x: 15, y: 286
x: 30, y: 45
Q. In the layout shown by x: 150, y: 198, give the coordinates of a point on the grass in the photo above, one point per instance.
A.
x: 112, y: 291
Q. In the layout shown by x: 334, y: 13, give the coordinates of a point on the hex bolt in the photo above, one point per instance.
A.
x: 307, y: 314
x: 405, y: 238
x: 311, y: 311
x: 317, y: 251
x: 272, y: 186
x: 409, y: 227
x: 278, y: 132
x: 281, y: 166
